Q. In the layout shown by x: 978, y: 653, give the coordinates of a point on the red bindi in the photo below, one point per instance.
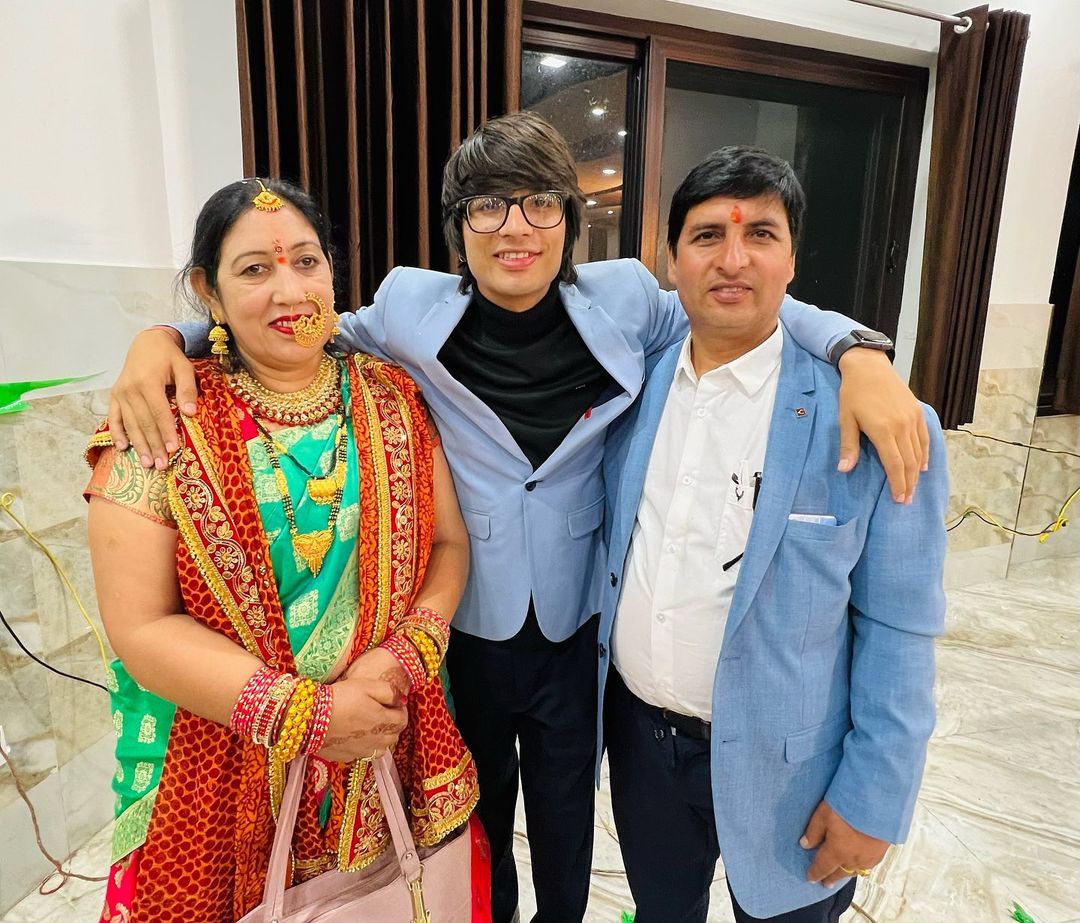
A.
x: 736, y: 214
x: 282, y: 260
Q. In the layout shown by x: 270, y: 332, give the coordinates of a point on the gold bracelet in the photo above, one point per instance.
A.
x: 426, y: 647
x: 294, y: 727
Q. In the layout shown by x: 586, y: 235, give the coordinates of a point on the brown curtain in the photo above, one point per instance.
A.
x: 361, y: 101
x: 1067, y: 392
x: 975, y: 105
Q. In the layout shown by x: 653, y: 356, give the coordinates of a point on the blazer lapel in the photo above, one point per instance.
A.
x: 606, y: 341
x: 638, y: 449
x: 434, y: 330
x: 789, y: 440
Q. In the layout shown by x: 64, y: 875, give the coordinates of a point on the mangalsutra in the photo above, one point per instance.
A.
x: 320, y: 487
x: 312, y: 404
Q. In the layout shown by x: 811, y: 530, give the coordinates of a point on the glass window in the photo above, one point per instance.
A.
x: 586, y: 99
x: 841, y: 142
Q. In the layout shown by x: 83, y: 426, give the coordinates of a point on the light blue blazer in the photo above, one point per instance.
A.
x: 536, y: 533
x: 824, y: 688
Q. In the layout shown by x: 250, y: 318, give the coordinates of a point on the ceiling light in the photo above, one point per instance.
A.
x: 590, y: 202
x: 609, y: 171
x: 599, y: 111
x: 611, y: 211
x: 553, y: 61
x: 621, y: 132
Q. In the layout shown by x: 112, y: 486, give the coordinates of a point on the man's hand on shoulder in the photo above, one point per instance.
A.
x: 139, y: 411
x: 875, y: 400
x: 842, y: 851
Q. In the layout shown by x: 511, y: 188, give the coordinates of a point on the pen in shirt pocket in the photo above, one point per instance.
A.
x: 753, y: 506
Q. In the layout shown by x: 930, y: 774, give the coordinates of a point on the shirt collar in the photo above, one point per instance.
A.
x: 750, y: 371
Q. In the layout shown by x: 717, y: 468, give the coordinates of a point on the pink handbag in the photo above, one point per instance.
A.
x: 402, y: 886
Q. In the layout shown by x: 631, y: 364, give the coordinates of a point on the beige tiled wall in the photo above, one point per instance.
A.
x: 1018, y: 486
x: 59, y: 731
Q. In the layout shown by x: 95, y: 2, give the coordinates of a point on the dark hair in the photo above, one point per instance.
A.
x: 740, y: 173
x: 224, y: 208
x: 516, y: 151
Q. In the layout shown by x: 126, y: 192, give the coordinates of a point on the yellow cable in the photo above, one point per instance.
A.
x: 1062, y: 520
x: 6, y: 501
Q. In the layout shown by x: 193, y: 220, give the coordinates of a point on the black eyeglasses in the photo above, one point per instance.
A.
x: 486, y: 214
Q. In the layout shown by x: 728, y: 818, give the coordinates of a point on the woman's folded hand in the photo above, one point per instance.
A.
x: 369, y: 714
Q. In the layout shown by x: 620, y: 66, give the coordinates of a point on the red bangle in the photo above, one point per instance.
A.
x: 251, y: 696
x: 320, y: 719
x: 409, y: 658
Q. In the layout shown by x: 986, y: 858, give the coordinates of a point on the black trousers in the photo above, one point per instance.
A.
x: 538, y: 696
x: 661, y: 797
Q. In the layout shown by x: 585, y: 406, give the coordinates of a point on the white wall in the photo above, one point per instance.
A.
x: 119, y: 118
x: 1048, y: 113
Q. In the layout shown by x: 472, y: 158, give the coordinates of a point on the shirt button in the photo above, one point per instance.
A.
x: 660, y: 617
x: 671, y: 548
x: 701, y: 412
x: 687, y: 480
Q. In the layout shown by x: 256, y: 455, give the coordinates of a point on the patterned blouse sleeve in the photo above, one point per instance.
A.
x: 119, y: 478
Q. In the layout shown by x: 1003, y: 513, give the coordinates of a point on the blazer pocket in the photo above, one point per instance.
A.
x: 478, y: 524
x: 820, y: 531
x: 811, y: 741
x: 585, y: 520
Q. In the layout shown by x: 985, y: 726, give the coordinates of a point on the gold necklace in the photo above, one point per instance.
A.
x: 312, y: 404
x: 320, y: 487
x: 311, y: 546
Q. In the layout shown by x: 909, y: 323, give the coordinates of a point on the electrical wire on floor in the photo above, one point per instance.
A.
x: 65, y: 874
x: 7, y: 500
x: 47, y: 666
x: 1057, y: 523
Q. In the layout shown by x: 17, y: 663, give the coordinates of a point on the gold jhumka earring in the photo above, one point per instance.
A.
x: 219, y: 342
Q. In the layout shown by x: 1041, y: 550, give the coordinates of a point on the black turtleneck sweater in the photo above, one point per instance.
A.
x: 530, y: 367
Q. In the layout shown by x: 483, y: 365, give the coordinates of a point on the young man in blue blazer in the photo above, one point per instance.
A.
x: 770, y: 621
x: 525, y: 360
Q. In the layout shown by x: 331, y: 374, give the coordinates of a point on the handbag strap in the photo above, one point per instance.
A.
x: 389, y: 786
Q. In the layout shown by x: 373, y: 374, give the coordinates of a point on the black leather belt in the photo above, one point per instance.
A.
x: 687, y: 725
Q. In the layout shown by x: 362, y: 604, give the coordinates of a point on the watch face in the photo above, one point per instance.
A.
x: 872, y: 336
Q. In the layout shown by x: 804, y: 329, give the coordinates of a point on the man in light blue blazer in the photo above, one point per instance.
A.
x: 769, y: 621
x: 525, y: 360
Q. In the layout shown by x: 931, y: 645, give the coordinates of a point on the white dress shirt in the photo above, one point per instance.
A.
x: 693, y: 518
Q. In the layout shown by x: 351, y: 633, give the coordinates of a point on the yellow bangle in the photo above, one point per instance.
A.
x: 294, y: 727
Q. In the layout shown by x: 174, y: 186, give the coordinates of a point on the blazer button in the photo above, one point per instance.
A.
x: 614, y: 580
x: 531, y: 485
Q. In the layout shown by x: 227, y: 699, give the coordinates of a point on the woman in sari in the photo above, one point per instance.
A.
x: 282, y: 587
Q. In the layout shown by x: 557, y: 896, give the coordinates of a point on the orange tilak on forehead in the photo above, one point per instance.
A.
x: 736, y: 214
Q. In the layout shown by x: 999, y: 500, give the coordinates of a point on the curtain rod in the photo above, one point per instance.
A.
x: 960, y: 24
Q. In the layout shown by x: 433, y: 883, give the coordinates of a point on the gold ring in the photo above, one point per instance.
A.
x: 862, y: 873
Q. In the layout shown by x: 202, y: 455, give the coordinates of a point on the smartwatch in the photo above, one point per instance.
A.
x: 868, y: 339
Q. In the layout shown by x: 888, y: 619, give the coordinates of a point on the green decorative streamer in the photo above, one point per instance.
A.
x: 11, y: 392
x: 627, y: 917
x: 1020, y: 915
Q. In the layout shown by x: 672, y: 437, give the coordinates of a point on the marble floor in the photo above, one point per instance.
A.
x: 998, y: 819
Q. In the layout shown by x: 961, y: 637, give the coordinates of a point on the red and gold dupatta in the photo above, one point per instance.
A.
x: 209, y: 839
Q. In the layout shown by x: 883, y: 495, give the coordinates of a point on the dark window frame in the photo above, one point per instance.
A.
x: 603, y: 35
